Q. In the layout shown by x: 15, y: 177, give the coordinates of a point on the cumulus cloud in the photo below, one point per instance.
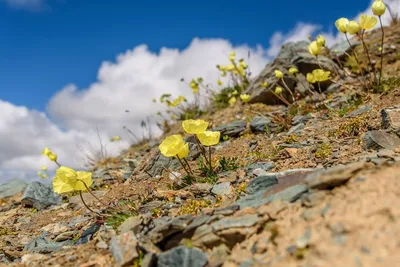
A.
x: 127, y: 83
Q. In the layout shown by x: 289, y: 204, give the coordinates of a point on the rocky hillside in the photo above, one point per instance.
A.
x: 316, y: 186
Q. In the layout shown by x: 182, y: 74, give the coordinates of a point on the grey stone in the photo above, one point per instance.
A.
x: 290, y: 55
x: 342, y: 48
x: 391, y: 118
x: 266, y: 166
x: 222, y: 189
x: 200, y: 188
x: 235, y: 222
x: 124, y: 248
x: 261, y: 183
x: 262, y: 125
x: 232, y: 130
x: 102, y: 173
x: 296, y: 129
x: 183, y: 257
x: 227, y: 210
x: 131, y: 224
x: 41, y: 245
x: 377, y: 140
x: 149, y: 260
x: 145, y: 208
x: 361, y: 110
x: 301, y: 118
x: 40, y: 196
x: 87, y: 235
x: 11, y: 188
x: 197, y: 222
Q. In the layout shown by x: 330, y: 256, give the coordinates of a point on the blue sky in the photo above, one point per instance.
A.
x: 65, y: 41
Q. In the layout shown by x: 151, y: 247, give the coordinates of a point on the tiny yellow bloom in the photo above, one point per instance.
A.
x: 194, y: 126
x: 352, y: 27
x: 314, y: 48
x: 46, y: 151
x: 52, y: 157
x: 232, y: 54
x: 264, y: 84
x: 43, y: 176
x: 209, y: 138
x: 44, y: 168
x: 278, y: 90
x: 310, y: 78
x: 118, y: 138
x: 378, y: 7
x: 278, y: 74
x: 293, y: 70
x: 245, y: 98
x: 341, y: 24
x: 367, y: 22
x: 235, y: 92
x: 243, y: 65
x: 172, y: 145
x: 219, y: 82
x: 321, y: 40
x: 232, y: 101
x: 184, y: 151
x: 321, y: 75
x: 39, y: 173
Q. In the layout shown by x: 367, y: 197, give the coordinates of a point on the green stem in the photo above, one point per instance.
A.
x: 290, y: 91
x: 83, y: 201
x: 202, y: 150
x: 183, y: 165
x: 209, y: 155
x: 383, y: 36
x: 187, y: 163
x: 356, y: 58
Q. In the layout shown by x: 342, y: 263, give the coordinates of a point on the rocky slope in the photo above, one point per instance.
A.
x: 316, y: 189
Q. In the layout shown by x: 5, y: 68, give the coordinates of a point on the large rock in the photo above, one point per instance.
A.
x: 377, y: 140
x: 124, y: 248
x: 391, y: 118
x: 11, y: 188
x: 290, y: 55
x: 40, y: 196
x: 183, y: 257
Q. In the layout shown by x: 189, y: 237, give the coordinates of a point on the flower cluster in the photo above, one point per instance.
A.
x: 318, y: 75
x: 236, y: 68
x: 315, y: 47
x: 175, y: 146
x: 43, y: 172
x: 48, y: 153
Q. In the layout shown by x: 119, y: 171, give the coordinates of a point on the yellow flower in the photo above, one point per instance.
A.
x: 83, y: 177
x: 194, y: 126
x: 39, y: 173
x: 209, y: 138
x: 43, y: 176
x: 264, y: 84
x: 235, y: 92
x: 293, y: 70
x: 230, y: 67
x: 352, y: 27
x: 245, y: 98
x: 232, y: 101
x: 46, y: 151
x: 278, y: 90
x: 378, y: 7
x: 321, y: 75
x: 68, y: 180
x: 115, y: 138
x: 341, y: 24
x: 310, y: 78
x: 65, y: 180
x: 321, y: 40
x: 278, y: 74
x: 314, y: 48
x: 367, y: 22
x: 172, y: 145
x: 219, y: 82
x: 44, y: 168
x: 52, y: 156
x: 243, y: 65
x: 184, y: 151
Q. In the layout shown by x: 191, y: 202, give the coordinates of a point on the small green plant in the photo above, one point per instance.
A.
x: 351, y: 127
x: 193, y: 206
x: 386, y: 85
x: 323, y: 151
x: 228, y: 164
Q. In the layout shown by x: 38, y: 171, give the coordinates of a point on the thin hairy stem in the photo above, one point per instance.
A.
x: 84, y: 203
x: 382, y: 40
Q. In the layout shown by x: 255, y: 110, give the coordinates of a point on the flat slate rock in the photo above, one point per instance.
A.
x: 377, y: 140
x: 182, y: 256
x: 232, y: 130
x: 40, y: 196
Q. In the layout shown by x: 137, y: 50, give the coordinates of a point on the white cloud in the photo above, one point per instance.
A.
x: 25, y: 4
x: 128, y: 83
